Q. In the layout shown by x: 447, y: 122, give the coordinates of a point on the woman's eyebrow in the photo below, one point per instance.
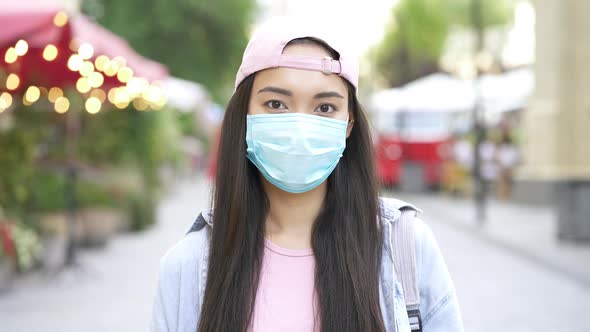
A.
x: 276, y: 90
x: 328, y: 95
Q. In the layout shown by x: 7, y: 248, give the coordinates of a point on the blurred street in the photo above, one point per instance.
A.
x: 500, y: 288
x: 113, y: 288
x: 511, y: 275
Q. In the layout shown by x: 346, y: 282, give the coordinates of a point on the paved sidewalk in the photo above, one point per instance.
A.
x: 114, y: 287
x: 527, y: 231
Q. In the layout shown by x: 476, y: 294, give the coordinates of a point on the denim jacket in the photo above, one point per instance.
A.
x: 183, y: 273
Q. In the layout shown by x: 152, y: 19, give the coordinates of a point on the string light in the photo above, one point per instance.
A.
x: 101, y: 62
x: 62, y: 105
x: 5, y: 101
x: 86, y: 69
x: 93, y: 105
x: 10, y: 56
x: 82, y: 85
x: 122, y: 96
x: 140, y: 104
x: 111, y: 95
x: 112, y: 69
x: 96, y: 79
x: 50, y: 52
x: 32, y: 95
x: 21, y: 48
x: 152, y: 94
x: 75, y: 62
x: 86, y: 51
x: 125, y: 74
x: 100, y: 94
x: 54, y: 94
x: 74, y: 45
x: 122, y: 105
x: 137, y: 85
x: 12, y: 82
x: 60, y: 19
x: 120, y: 60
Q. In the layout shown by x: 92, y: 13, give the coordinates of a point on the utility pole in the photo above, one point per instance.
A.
x: 72, y: 124
x: 479, y: 129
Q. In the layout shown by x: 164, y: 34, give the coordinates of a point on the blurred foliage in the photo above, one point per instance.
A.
x: 20, y: 146
x: 141, y: 211
x: 414, y: 42
x: 34, y: 145
x: 186, y: 121
x: 27, y: 245
x: 198, y: 40
x: 141, y: 139
x: 49, y: 194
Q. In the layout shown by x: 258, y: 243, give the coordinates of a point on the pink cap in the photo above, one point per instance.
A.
x: 266, y: 47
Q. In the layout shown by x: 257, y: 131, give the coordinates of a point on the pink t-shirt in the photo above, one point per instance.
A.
x: 285, y: 297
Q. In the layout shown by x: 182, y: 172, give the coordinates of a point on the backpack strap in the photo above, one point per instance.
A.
x: 404, y: 253
x: 403, y: 238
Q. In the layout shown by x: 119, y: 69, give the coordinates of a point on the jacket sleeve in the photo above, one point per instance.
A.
x: 163, y: 312
x: 176, y: 304
x: 439, y: 307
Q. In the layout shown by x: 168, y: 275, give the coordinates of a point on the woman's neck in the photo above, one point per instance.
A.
x: 291, y: 216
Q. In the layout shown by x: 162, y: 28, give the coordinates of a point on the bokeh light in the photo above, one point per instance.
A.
x: 21, y: 47
x: 96, y: 79
x: 125, y: 74
x: 86, y: 51
x: 5, y: 101
x: 12, y: 82
x: 54, y: 94
x: 100, y: 94
x: 60, y: 19
x: 10, y: 56
x: 82, y: 85
x: 50, y: 52
x: 93, y: 105
x: 86, y: 69
x: 75, y: 62
x: 62, y: 105
x: 32, y: 94
x: 101, y: 62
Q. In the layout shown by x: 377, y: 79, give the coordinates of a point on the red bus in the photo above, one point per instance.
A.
x: 412, y: 146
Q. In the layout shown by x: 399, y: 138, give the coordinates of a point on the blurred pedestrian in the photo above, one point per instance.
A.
x: 458, y: 166
x: 489, y: 166
x: 298, y: 239
x: 507, y: 157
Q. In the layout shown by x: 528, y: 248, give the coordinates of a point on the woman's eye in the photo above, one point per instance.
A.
x: 326, y: 108
x: 275, y: 104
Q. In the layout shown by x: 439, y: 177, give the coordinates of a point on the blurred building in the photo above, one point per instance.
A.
x: 557, y: 125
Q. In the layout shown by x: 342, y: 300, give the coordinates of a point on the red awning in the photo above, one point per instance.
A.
x: 111, y: 45
x: 37, y: 28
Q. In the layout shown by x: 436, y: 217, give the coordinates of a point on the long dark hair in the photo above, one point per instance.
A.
x: 346, y: 237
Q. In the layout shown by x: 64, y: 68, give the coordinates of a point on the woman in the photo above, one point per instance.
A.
x: 297, y: 238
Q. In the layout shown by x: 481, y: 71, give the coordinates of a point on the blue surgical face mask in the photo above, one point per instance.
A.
x: 295, y: 152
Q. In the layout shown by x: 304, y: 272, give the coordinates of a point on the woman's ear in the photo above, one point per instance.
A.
x: 350, y: 125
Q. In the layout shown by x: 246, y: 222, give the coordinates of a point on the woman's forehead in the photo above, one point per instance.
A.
x: 300, y: 82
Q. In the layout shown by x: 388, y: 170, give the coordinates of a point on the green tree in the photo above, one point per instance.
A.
x: 198, y: 40
x: 414, y: 42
